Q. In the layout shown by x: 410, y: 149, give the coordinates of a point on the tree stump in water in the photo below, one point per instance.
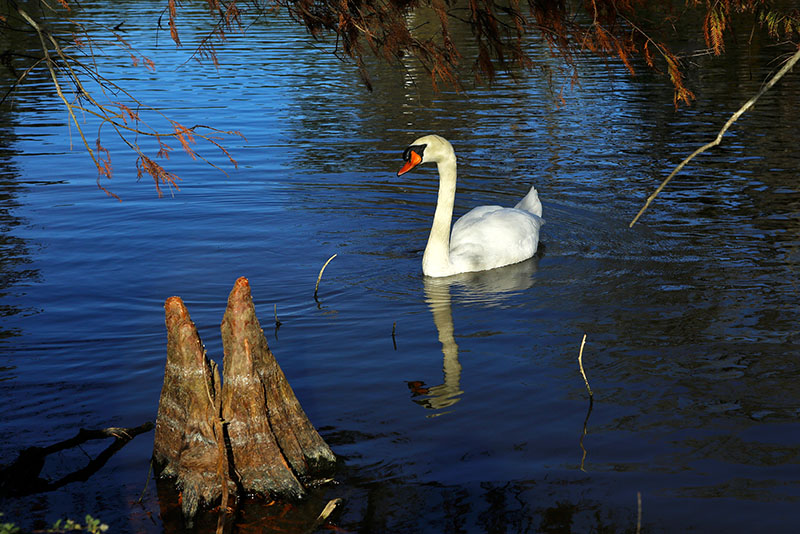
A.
x: 251, y: 432
x: 188, y: 443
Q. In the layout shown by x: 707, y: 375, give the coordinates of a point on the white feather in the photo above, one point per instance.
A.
x: 484, y: 238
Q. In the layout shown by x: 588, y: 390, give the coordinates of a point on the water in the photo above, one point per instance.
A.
x: 472, y: 418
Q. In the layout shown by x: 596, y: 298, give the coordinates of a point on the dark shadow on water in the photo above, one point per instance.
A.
x: 371, y: 505
x: 518, y: 506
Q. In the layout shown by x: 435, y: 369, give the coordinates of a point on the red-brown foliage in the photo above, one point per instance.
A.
x: 638, y: 33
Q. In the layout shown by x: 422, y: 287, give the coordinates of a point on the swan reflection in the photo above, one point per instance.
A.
x: 484, y: 288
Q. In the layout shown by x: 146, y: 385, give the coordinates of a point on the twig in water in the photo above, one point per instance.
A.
x: 323, y: 517
x: 747, y: 105
x: 583, y: 434
x: 278, y: 322
x: 639, y: 512
x: 320, y: 274
x: 580, y: 363
x: 591, y: 402
x: 140, y: 501
x: 394, y: 328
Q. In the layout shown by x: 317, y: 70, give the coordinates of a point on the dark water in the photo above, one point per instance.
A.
x: 475, y: 421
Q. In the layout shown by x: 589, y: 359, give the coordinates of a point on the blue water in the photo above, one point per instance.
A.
x: 691, y: 316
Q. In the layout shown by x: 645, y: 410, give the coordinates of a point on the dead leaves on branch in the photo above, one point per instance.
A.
x: 629, y: 30
x: 81, y: 88
x: 173, y: 26
x: 714, y: 25
x: 500, y: 33
x: 781, y: 22
x: 383, y: 29
x: 161, y: 176
x: 682, y: 93
x: 780, y: 25
x: 129, y: 122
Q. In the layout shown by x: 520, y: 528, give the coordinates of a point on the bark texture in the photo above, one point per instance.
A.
x: 249, y: 434
x: 264, y: 417
x: 188, y: 441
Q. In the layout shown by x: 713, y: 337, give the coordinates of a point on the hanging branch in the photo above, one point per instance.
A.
x: 121, y: 117
x: 767, y: 86
x: 500, y: 35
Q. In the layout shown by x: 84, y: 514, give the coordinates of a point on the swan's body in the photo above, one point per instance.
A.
x: 484, y: 238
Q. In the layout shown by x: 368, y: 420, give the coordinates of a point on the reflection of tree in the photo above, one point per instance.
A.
x: 517, y: 506
x: 14, y: 255
x: 485, y: 288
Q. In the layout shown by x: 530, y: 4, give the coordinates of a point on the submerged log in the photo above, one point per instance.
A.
x: 251, y: 433
x: 272, y: 441
x: 189, y: 444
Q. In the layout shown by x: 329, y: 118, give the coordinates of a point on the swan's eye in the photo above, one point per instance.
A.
x: 413, y: 157
x: 418, y: 149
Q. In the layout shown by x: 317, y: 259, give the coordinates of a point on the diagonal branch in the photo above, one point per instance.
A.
x: 767, y: 86
x: 49, y: 62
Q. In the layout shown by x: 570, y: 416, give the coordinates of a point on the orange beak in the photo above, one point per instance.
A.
x: 410, y: 164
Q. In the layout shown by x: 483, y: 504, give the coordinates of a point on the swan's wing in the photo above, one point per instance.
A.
x: 531, y: 203
x: 492, y: 236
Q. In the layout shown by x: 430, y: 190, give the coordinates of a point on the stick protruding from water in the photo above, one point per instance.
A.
x: 639, y: 512
x: 320, y: 274
x: 580, y: 363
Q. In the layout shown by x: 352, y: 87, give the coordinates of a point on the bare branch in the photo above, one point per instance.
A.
x: 747, y: 105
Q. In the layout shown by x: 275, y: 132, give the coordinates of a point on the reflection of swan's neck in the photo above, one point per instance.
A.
x: 443, y: 319
x: 436, y: 260
x: 448, y: 393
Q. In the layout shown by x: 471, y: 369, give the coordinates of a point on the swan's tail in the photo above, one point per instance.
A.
x: 531, y: 203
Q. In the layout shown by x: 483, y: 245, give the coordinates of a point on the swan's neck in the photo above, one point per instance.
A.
x: 436, y: 260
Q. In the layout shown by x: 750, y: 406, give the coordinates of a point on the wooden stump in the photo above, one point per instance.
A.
x: 188, y: 441
x: 265, y: 419
x: 252, y: 428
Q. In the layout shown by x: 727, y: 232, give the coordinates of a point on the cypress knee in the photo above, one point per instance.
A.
x: 188, y: 438
x: 272, y: 441
x: 250, y: 433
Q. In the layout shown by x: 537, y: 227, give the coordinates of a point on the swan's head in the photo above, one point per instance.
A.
x: 426, y: 149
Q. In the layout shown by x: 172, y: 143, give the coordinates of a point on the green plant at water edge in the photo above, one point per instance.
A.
x: 94, y: 526
x: 8, y: 528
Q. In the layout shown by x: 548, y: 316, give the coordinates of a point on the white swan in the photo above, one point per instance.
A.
x: 485, y: 238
